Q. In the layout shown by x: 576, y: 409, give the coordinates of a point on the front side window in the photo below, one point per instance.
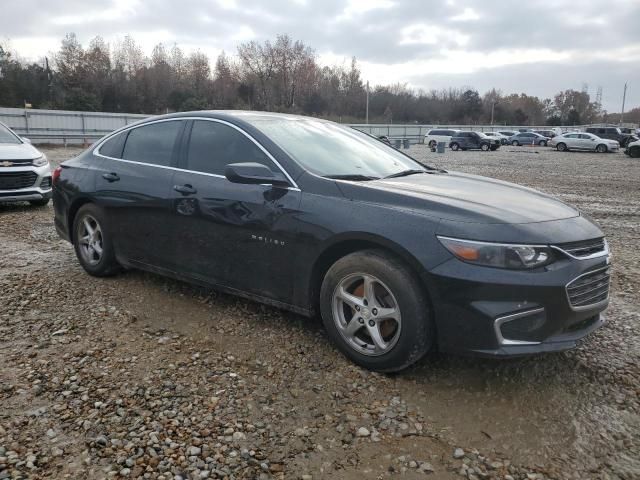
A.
x: 330, y: 150
x: 7, y: 136
x: 213, y: 145
x: 152, y: 143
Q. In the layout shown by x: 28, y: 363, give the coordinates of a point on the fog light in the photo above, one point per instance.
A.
x: 521, y: 327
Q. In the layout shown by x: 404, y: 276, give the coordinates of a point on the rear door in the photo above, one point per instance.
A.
x: 134, y: 187
x: 239, y: 236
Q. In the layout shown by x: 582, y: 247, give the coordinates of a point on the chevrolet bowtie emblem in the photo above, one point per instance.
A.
x: 6, y: 163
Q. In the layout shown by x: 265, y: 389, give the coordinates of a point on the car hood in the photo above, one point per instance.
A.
x: 22, y: 151
x: 462, y: 197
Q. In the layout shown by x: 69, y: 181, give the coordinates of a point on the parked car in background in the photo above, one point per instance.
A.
x: 473, y: 141
x: 633, y: 149
x: 25, y: 174
x: 611, y: 133
x: 528, y: 138
x: 436, y: 135
x: 498, y: 136
x: 507, y: 133
x: 583, y: 141
x: 398, y: 258
x: 546, y: 133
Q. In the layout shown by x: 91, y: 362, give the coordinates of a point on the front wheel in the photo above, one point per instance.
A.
x: 93, y: 243
x: 376, y: 311
x: 542, y: 143
x: 485, y: 147
x: 561, y: 147
x: 634, y: 152
x: 515, y: 143
x: 602, y: 148
x: 454, y: 146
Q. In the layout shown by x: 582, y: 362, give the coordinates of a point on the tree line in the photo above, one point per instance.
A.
x: 282, y: 75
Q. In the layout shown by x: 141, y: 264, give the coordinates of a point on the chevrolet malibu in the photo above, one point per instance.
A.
x: 397, y: 258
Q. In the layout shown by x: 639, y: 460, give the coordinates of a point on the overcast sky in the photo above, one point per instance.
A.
x: 536, y: 47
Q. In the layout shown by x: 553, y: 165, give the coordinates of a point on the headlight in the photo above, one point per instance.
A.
x: 499, y: 255
x: 40, y: 161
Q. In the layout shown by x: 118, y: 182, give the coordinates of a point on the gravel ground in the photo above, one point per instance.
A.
x: 139, y: 376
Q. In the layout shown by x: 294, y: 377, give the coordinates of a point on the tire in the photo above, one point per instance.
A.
x: 602, y: 148
x: 515, y: 143
x: 40, y: 203
x: 454, y: 146
x: 485, y: 147
x: 634, y: 152
x: 562, y: 147
x: 432, y: 143
x: 96, y: 264
x: 403, y: 339
x: 503, y: 141
x: 542, y: 143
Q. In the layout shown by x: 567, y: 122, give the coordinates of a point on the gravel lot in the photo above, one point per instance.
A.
x: 138, y: 376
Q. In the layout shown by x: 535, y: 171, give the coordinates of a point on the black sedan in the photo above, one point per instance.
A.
x: 398, y: 258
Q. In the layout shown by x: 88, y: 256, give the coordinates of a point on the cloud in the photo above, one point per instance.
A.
x: 422, y: 42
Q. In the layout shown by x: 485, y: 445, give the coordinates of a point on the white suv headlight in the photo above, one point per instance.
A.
x: 40, y: 161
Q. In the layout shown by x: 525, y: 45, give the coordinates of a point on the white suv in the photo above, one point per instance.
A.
x: 436, y: 135
x: 25, y: 174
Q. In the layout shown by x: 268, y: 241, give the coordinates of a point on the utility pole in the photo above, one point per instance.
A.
x: 493, y: 104
x: 624, y: 97
x: 367, y: 114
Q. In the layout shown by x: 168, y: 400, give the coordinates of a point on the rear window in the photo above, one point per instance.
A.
x: 113, y: 147
x: 152, y: 143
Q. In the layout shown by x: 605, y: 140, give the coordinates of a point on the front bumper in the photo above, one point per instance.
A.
x: 38, y: 189
x: 501, y: 313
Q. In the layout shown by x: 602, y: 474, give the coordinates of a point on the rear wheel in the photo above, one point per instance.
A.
x: 93, y: 243
x: 376, y: 311
x: 485, y: 147
x: 432, y: 143
x: 561, y: 147
x: 39, y: 203
x: 602, y: 148
x: 454, y: 146
x: 515, y: 143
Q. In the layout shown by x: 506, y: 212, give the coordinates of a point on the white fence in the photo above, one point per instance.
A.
x: 64, y: 126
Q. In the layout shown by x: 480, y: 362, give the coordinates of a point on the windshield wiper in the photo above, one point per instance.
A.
x: 354, y: 176
x: 405, y: 173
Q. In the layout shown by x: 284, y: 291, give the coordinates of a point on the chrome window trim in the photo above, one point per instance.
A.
x: 96, y: 149
x: 592, y: 305
x: 497, y: 323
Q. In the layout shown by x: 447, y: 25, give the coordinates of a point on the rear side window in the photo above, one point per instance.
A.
x: 436, y: 132
x: 572, y: 135
x: 213, y: 145
x: 152, y: 143
x: 113, y: 147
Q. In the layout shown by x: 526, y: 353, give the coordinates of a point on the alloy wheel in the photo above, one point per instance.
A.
x: 367, y: 314
x: 90, y: 240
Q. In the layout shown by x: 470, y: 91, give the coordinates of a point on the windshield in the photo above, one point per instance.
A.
x: 331, y: 150
x: 7, y: 136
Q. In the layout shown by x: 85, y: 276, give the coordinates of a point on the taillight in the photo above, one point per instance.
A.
x: 56, y: 174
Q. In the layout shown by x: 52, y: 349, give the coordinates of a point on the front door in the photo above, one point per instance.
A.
x: 238, y: 236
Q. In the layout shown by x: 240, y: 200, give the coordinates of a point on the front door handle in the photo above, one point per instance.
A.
x: 185, y: 189
x: 111, y: 177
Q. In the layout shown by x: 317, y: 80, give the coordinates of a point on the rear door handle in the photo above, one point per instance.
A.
x: 111, y: 177
x: 185, y: 189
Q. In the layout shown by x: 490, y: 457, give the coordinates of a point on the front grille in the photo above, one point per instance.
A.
x: 584, y: 248
x: 16, y: 180
x: 589, y: 289
x: 15, y: 163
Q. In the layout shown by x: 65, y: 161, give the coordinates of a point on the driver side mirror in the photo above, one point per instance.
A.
x: 26, y: 140
x: 251, y: 173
